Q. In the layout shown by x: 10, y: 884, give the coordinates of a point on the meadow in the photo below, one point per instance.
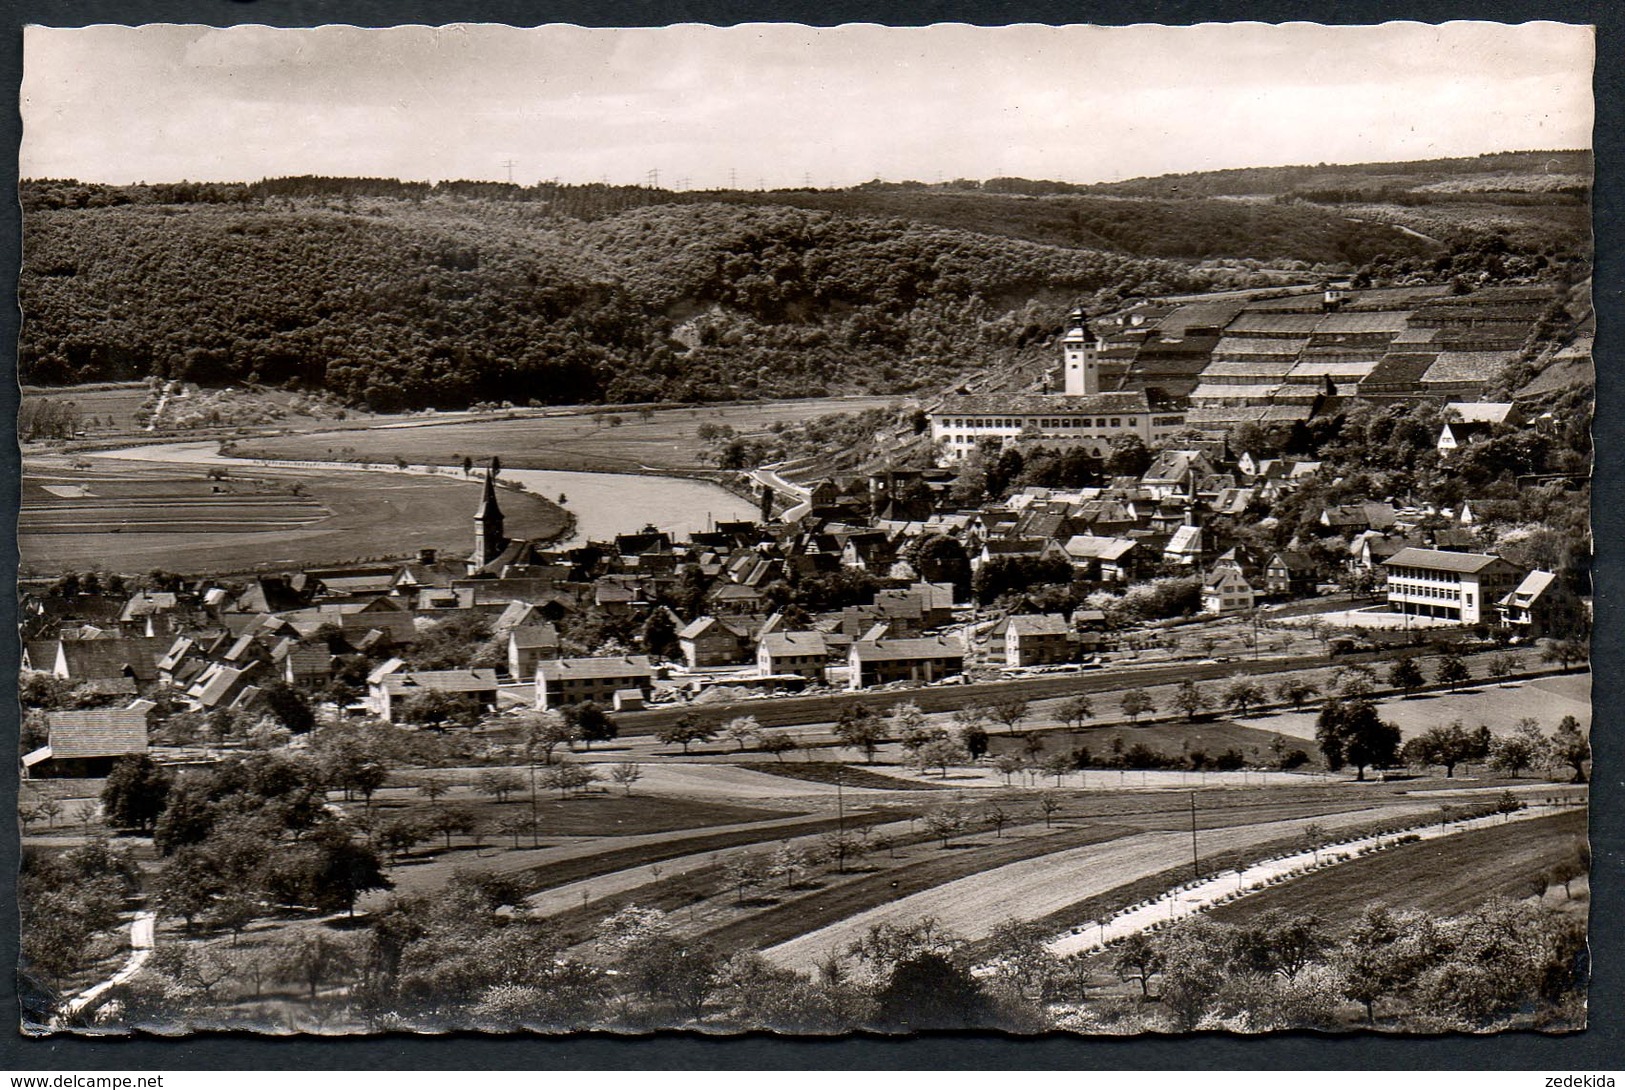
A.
x: 610, y: 440
x: 132, y: 518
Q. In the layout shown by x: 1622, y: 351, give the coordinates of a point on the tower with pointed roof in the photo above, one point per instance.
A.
x: 488, y: 537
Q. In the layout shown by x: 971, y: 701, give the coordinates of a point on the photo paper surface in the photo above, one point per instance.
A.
x: 805, y: 529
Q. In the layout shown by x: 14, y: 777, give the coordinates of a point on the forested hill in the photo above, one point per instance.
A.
x: 399, y: 295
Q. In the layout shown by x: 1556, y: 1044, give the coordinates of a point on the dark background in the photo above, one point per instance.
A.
x: 1598, y: 1048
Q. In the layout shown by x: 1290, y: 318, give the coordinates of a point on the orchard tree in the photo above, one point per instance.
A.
x: 1241, y: 694
x: 1138, y: 958
x: 1049, y: 804
x: 1451, y: 670
x: 1570, y: 747
x: 742, y: 730
x: 135, y: 793
x: 1350, y: 732
x: 776, y: 744
x: 943, y: 823
x: 1009, y: 712
x: 592, y: 723
x: 1295, y: 691
x: 858, y: 728
x: 1447, y: 745
x: 1008, y: 765
x: 1137, y: 702
x: 973, y: 739
x: 1565, y: 653
x: 1074, y: 710
x: 499, y: 783
x: 940, y: 753
x: 1405, y: 675
x: 685, y: 730
x: 1525, y: 748
x: 1189, y: 699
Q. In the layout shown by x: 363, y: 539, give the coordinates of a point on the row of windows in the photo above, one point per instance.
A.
x: 601, y: 683
x: 1044, y: 422
x: 1426, y: 573
x: 1422, y: 590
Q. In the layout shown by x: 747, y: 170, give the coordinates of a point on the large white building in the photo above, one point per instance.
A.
x: 1081, y: 414
x: 1461, y: 587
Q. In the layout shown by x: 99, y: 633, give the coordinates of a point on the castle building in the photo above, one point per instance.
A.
x: 1081, y: 414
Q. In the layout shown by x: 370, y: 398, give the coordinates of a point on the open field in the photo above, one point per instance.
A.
x: 606, y: 815
x: 1441, y: 877
x: 558, y: 439
x: 1545, y: 699
x: 104, y: 408
x: 1044, y: 886
x: 133, y: 517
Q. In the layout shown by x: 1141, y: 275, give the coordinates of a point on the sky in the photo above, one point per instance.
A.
x: 780, y: 105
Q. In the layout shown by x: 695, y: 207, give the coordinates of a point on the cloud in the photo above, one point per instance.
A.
x: 776, y: 101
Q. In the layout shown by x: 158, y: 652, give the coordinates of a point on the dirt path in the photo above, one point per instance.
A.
x: 142, y: 930
x: 1035, y: 888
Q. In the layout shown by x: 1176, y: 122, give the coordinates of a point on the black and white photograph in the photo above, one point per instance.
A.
x: 1062, y: 529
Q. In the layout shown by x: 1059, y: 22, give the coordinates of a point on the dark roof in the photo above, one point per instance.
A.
x: 441, y: 681
x: 1440, y: 560
x: 935, y: 647
x: 109, y: 658
x: 619, y: 666
x: 102, y: 732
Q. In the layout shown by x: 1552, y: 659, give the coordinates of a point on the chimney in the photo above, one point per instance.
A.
x: 426, y: 556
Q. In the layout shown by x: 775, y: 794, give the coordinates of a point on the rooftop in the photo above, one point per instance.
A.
x: 1440, y: 560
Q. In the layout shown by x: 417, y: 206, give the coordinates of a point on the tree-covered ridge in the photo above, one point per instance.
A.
x: 1508, y: 167
x: 402, y: 304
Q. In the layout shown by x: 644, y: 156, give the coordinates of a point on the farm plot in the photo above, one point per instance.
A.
x: 622, y: 441
x: 1544, y: 699
x: 1047, y: 885
x: 133, y: 517
x: 1440, y: 877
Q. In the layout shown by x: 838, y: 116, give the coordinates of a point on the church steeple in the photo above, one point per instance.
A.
x: 488, y: 538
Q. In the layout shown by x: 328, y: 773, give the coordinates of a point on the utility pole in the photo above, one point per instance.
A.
x: 1196, y: 863
x: 654, y: 178
x: 733, y: 178
x: 510, y: 164
x: 840, y: 803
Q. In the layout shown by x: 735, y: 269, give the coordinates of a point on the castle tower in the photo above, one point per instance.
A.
x: 488, y: 538
x: 1079, y: 357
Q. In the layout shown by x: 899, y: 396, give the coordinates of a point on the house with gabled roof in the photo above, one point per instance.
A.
x: 392, y: 683
x: 1542, y: 605
x: 1226, y: 590
x: 134, y: 657
x: 577, y: 680
x: 711, y: 641
x: 806, y: 654
x: 1290, y: 574
x: 879, y: 662
x: 528, y: 645
x: 1107, y: 559
x: 1033, y: 639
